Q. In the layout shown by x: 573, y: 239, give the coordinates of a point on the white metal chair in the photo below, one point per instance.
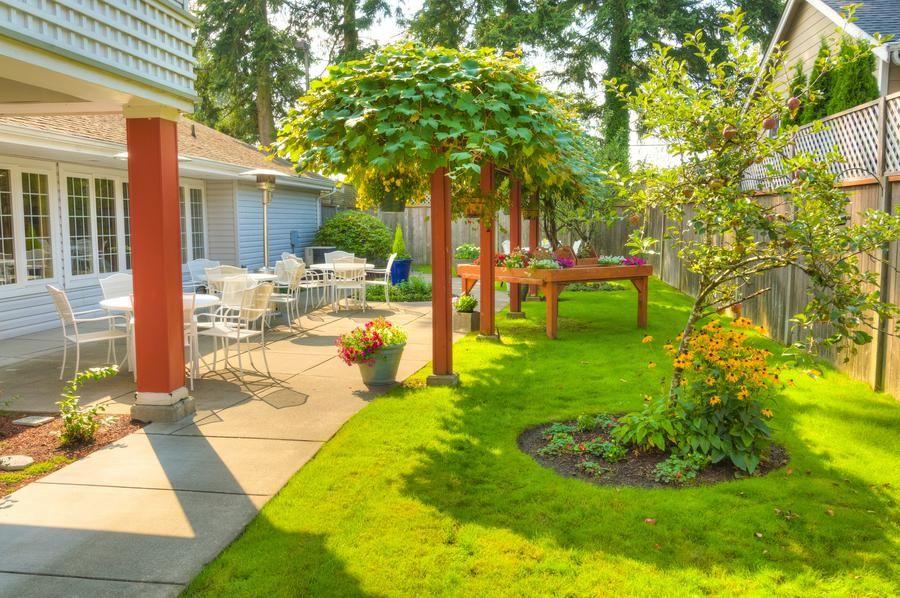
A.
x: 71, y: 319
x: 117, y: 285
x: 216, y: 275
x: 383, y: 278
x: 505, y: 246
x: 576, y: 246
x: 289, y: 275
x: 197, y: 269
x: 191, y: 337
x: 334, y: 256
x: 318, y: 282
x: 349, y: 281
x: 239, y: 328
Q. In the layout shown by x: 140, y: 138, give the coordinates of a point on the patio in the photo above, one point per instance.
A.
x: 175, y: 494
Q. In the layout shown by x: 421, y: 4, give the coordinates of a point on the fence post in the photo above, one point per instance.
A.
x: 884, y: 283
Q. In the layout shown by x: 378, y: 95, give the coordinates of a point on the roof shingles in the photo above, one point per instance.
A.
x: 874, y: 16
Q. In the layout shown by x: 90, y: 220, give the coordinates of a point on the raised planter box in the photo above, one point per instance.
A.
x: 466, y: 321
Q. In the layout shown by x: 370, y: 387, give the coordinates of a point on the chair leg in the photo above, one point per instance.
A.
x: 62, y: 368
x: 77, y: 356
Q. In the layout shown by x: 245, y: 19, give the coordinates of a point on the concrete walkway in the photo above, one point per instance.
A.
x: 143, y: 515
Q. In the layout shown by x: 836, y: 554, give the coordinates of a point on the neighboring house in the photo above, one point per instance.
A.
x: 64, y: 208
x: 805, y: 23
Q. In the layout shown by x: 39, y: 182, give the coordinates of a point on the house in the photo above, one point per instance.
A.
x: 65, y: 211
x: 804, y: 23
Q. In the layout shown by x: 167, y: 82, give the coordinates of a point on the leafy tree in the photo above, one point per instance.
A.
x: 796, y: 87
x: 732, y: 237
x: 356, y: 232
x: 853, y: 83
x: 389, y: 119
x: 816, y: 105
x: 343, y: 20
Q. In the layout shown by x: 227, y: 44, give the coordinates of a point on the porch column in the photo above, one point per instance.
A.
x: 441, y: 310
x: 534, y: 241
x: 515, y: 242
x: 156, y: 260
x: 486, y: 259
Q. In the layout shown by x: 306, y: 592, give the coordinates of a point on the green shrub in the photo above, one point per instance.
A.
x: 414, y: 289
x: 466, y: 304
x: 399, y: 246
x: 80, y: 424
x: 680, y: 470
x: 359, y: 233
x: 467, y: 251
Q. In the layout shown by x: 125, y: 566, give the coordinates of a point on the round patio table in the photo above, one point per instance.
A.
x: 331, y: 266
x: 262, y: 276
x: 124, y: 303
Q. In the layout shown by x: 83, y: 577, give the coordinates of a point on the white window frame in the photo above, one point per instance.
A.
x: 187, y: 185
x: 17, y: 166
x: 66, y: 171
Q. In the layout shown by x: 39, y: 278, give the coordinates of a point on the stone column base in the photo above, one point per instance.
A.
x: 490, y: 338
x: 535, y: 298
x: 515, y: 315
x: 443, y: 380
x: 163, y: 406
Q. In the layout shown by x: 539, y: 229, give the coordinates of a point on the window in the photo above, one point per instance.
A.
x: 107, y: 239
x: 184, y: 230
x: 7, y: 241
x: 198, y: 245
x: 81, y: 238
x: 126, y: 224
x: 36, y: 212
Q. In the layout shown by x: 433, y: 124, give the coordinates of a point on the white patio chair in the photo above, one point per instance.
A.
x: 71, y: 319
x: 118, y: 285
x: 505, y: 246
x: 239, y: 328
x: 217, y: 274
x: 333, y: 256
x: 382, y: 278
x: 289, y: 275
x: 191, y: 336
x: 318, y: 282
x: 576, y: 246
x: 197, y: 269
x: 349, y: 281
x: 287, y: 255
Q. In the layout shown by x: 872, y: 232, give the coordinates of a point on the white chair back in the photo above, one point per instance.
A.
x: 387, y: 269
x: 255, y: 302
x: 117, y: 285
x: 63, y: 307
x: 233, y: 289
x: 188, y: 303
x: 576, y: 246
x: 198, y: 268
x: 217, y: 274
x: 505, y: 246
x: 333, y: 256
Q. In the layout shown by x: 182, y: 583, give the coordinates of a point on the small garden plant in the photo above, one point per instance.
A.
x: 467, y: 251
x: 81, y: 423
x: 610, y: 260
x: 466, y: 304
x: 414, y: 289
x: 399, y: 245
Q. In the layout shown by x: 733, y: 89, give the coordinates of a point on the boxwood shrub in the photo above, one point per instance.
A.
x: 359, y: 233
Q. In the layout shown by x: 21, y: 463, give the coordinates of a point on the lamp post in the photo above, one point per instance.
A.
x: 265, y: 181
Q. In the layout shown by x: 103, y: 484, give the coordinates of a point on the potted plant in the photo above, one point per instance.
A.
x: 610, y: 260
x: 403, y: 261
x: 376, y: 347
x: 465, y: 318
x: 466, y: 253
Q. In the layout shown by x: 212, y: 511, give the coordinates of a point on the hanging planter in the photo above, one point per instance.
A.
x: 393, y: 202
x: 474, y: 208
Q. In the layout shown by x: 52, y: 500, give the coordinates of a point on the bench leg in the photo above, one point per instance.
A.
x: 551, y: 292
x: 642, y: 288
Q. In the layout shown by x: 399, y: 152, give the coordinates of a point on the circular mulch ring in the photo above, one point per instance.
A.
x: 637, y: 468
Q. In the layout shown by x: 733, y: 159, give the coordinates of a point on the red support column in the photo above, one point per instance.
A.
x: 487, y: 258
x: 515, y: 242
x: 156, y: 259
x: 441, y: 310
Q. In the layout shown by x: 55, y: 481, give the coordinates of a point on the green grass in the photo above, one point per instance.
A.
x: 425, y: 492
x: 9, y: 479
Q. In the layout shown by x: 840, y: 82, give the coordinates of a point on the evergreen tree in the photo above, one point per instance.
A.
x: 797, y: 87
x: 816, y: 106
x: 853, y: 83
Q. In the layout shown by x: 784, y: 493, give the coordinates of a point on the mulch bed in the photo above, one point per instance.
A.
x: 637, y: 468
x: 42, y: 444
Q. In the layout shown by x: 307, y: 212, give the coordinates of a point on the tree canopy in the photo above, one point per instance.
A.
x: 388, y: 120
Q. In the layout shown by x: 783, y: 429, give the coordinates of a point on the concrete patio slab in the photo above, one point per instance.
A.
x: 123, y: 534
x: 23, y: 584
x: 163, y: 462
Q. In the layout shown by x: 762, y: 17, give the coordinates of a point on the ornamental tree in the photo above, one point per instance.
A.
x: 718, y: 130
x: 388, y: 120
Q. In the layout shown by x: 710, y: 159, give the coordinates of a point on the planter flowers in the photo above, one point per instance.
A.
x: 376, y: 347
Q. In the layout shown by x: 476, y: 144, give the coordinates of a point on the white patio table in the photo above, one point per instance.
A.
x: 341, y: 264
x: 262, y: 276
x: 124, y: 304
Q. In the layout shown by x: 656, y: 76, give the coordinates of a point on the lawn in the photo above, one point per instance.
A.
x: 425, y: 491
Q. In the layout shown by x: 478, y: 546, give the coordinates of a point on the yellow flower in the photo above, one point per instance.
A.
x: 767, y: 412
x: 715, y: 400
x: 647, y: 339
x: 710, y: 381
x: 743, y: 393
x: 651, y: 365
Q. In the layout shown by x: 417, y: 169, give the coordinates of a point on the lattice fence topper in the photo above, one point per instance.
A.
x: 853, y: 134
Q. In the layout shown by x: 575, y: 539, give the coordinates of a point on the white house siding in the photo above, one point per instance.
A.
x: 221, y: 221
x: 291, y: 209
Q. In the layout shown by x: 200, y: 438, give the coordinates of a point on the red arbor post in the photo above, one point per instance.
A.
x: 515, y: 242
x: 487, y: 258
x: 442, y: 325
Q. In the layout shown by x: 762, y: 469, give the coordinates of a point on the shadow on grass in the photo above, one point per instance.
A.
x: 476, y: 473
x: 282, y: 550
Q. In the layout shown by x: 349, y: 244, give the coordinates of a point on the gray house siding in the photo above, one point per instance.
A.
x: 221, y: 221
x: 291, y: 209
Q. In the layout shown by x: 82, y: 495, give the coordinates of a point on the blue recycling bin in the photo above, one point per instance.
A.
x: 400, y: 271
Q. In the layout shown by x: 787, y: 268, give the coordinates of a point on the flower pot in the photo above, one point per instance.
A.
x: 466, y: 321
x: 383, y: 369
x: 400, y: 271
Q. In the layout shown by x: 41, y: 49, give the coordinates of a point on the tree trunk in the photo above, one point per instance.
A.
x: 686, y: 333
x: 265, y: 118
x: 349, y: 31
x: 616, y: 127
